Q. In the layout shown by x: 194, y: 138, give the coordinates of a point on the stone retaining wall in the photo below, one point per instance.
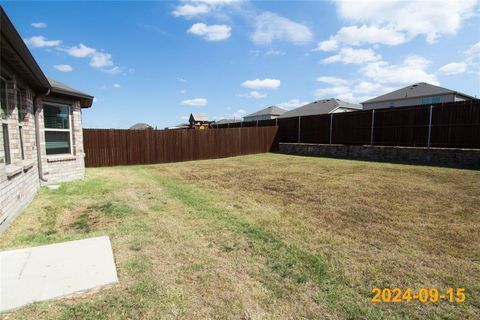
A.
x: 459, y: 158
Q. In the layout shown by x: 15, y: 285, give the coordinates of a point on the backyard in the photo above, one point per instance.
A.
x: 265, y: 236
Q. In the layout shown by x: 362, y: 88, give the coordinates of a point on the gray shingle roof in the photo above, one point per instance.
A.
x: 272, y: 110
x: 222, y: 121
x: 421, y: 89
x: 140, y: 126
x: 321, y: 107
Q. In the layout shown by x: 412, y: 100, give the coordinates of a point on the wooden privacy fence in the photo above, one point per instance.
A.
x: 448, y: 125
x: 111, y: 147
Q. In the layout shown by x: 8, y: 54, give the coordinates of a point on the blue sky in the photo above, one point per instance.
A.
x: 156, y: 62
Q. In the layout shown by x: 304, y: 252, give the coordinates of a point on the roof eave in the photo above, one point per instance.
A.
x: 17, y: 43
x: 86, y: 100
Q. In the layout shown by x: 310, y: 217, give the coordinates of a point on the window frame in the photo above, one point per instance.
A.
x: 20, y: 140
x: 4, y: 112
x: 69, y: 130
x: 6, y: 144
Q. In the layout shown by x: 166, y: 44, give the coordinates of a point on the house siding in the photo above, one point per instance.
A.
x: 260, y: 117
x: 19, y: 180
x: 426, y: 100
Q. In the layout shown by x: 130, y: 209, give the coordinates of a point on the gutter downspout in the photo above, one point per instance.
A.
x: 37, y: 135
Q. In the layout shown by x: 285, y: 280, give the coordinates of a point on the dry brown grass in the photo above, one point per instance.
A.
x: 266, y: 237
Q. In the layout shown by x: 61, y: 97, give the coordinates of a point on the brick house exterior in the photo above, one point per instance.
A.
x: 41, y: 127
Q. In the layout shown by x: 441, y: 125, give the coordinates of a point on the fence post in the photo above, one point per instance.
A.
x: 429, y: 126
x: 257, y: 123
x: 276, y: 122
x: 241, y: 124
x: 373, y: 125
x: 331, y: 124
x: 299, y: 121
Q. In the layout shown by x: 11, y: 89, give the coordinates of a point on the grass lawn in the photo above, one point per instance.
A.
x: 266, y: 236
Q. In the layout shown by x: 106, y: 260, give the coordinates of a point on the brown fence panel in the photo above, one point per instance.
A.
x: 352, y: 128
x: 315, y: 129
x: 110, y: 147
x: 267, y: 123
x: 401, y: 127
x: 456, y: 125
x: 288, y: 129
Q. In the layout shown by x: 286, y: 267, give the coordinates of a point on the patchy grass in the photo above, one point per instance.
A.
x: 266, y: 236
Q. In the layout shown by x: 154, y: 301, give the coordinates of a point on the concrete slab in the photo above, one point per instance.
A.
x: 53, y: 271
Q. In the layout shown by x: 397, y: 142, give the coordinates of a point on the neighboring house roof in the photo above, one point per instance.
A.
x: 421, y: 89
x: 224, y: 121
x: 86, y: 100
x: 198, y: 117
x: 140, y: 126
x: 16, y: 52
x: 321, y: 107
x: 271, y: 111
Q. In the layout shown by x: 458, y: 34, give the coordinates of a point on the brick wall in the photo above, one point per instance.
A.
x: 19, y: 180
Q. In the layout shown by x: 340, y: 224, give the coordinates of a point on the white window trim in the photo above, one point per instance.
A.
x: 69, y: 130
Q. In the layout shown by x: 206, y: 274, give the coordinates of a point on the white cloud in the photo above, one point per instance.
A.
x: 453, y: 68
x: 63, y: 67
x: 39, y: 25
x: 114, y: 70
x: 262, y: 84
x: 41, y: 41
x: 190, y: 11
x: 356, y: 56
x: 292, y: 104
x: 327, y: 45
x: 80, y: 51
x: 332, y: 80
x: 365, y: 87
x: 272, y: 52
x: 412, y: 70
x: 239, y: 113
x: 254, y: 94
x: 257, y: 95
x: 98, y: 59
x: 472, y: 58
x: 194, y: 8
x: 182, y: 91
x: 101, y: 59
x: 216, y: 32
x: 180, y: 79
x: 413, y: 18
x: 340, y: 91
x: 270, y: 26
x: 197, y: 102
x: 354, y: 35
x: 117, y: 86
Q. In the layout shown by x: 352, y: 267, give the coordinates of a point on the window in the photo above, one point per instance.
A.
x: 57, y: 128
x: 3, y: 98
x: 19, y: 105
x: 20, y: 137
x: 6, y: 143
